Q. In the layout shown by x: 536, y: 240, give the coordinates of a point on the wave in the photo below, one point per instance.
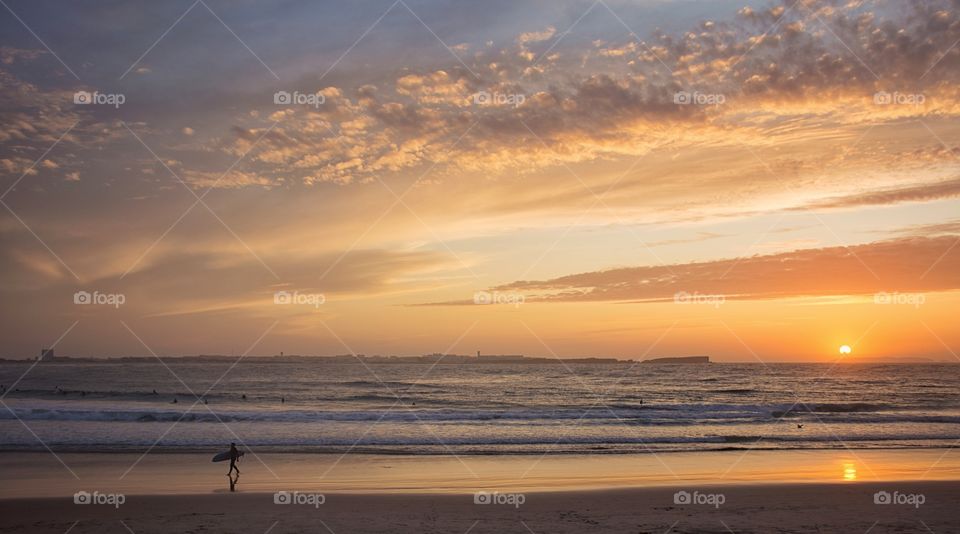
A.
x: 850, y: 407
x: 472, y: 444
x: 618, y: 414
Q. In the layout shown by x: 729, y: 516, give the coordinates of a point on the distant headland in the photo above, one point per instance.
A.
x: 431, y: 359
x: 682, y: 359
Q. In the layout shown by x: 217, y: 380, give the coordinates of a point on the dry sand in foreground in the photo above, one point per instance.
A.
x: 845, y: 507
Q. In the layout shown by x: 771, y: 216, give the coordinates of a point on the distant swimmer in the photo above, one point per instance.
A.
x: 154, y: 392
x: 283, y: 400
x: 204, y: 401
x: 244, y: 396
x: 799, y: 425
x: 174, y: 401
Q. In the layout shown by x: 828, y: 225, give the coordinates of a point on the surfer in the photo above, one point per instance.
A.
x: 234, y: 456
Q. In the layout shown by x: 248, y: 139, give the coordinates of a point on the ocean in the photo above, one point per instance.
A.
x: 476, y: 408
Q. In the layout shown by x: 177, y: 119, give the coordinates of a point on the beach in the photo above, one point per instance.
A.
x: 730, y: 491
x: 747, y: 508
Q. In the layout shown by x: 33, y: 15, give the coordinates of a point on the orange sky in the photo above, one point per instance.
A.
x: 750, y: 183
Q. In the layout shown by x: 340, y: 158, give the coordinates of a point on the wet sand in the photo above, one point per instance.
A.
x: 732, y: 491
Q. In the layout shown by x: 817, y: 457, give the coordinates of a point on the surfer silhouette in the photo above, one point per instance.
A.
x: 234, y: 456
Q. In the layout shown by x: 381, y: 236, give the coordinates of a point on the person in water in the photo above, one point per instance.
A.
x: 234, y: 456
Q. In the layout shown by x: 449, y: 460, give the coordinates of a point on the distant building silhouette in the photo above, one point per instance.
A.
x: 46, y: 355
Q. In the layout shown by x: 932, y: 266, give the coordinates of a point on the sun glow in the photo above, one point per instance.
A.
x: 845, y: 349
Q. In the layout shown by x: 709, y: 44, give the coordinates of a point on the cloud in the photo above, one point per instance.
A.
x: 913, y: 193
x: 914, y: 264
x: 818, y: 68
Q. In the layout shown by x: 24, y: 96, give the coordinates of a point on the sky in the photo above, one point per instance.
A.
x: 754, y: 181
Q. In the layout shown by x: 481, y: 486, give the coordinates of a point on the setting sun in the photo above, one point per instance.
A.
x: 845, y: 349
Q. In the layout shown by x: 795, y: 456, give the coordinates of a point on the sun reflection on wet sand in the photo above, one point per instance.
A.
x: 849, y: 471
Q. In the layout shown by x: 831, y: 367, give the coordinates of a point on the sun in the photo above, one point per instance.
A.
x: 845, y: 349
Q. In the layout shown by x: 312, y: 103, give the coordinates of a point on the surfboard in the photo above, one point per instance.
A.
x: 223, y: 456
